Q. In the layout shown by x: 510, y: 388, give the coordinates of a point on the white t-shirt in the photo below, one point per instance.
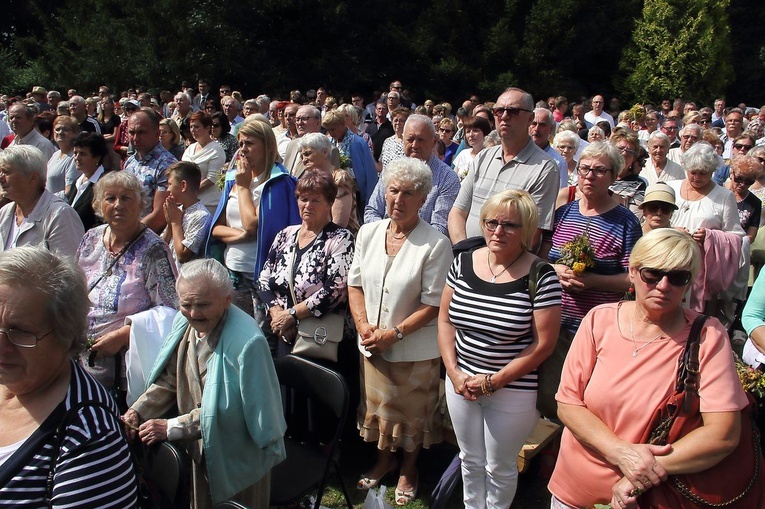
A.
x: 241, y: 256
x: 591, y: 119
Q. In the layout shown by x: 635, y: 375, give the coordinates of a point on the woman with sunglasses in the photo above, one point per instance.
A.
x: 493, y: 333
x: 744, y: 172
x: 622, y: 365
x: 611, y: 230
x: 658, y: 206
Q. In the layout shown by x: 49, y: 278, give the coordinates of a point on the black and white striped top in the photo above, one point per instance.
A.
x: 493, y: 320
x: 94, y: 468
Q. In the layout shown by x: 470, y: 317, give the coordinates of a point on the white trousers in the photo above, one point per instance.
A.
x: 490, y: 433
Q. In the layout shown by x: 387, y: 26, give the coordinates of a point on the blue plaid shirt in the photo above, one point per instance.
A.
x: 151, y: 171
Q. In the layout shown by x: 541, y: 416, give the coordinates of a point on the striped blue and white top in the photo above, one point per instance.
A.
x: 93, y: 469
x: 493, y: 320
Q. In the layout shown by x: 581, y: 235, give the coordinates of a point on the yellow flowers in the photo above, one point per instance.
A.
x: 578, y: 253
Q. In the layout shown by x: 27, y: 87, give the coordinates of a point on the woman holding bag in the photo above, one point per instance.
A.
x: 305, y: 274
x: 621, y: 370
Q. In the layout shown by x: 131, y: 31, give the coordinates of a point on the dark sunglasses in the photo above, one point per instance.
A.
x: 739, y: 146
x: 655, y: 207
x: 741, y: 180
x: 513, y: 112
x: 675, y: 277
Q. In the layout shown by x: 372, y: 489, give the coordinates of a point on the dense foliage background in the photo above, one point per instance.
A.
x: 445, y: 49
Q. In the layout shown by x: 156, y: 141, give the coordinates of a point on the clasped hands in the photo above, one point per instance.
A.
x: 376, y: 340
x: 283, y: 323
x: 641, y: 472
x: 150, y: 432
x: 468, y: 386
x: 569, y: 281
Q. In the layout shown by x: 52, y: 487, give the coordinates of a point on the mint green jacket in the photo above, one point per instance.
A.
x: 241, y: 415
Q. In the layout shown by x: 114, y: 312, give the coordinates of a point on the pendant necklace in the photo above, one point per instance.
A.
x: 495, y: 276
x: 636, y: 348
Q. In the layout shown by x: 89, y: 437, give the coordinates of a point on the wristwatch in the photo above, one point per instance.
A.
x: 399, y: 334
x: 293, y: 314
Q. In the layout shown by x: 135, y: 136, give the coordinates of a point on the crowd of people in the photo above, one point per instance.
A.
x: 191, y: 237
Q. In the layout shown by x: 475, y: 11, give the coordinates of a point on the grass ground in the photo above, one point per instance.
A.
x: 357, y: 456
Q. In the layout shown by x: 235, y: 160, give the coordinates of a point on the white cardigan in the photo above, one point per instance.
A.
x: 416, y: 276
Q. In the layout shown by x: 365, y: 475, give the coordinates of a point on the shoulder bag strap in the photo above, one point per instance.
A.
x: 536, y: 266
x: 688, y: 371
x: 116, y: 259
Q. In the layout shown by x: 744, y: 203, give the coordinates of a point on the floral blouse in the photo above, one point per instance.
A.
x: 320, y: 277
x: 144, y: 277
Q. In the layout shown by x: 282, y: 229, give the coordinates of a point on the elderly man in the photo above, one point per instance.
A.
x: 689, y: 135
x: 78, y: 110
x: 734, y: 125
x: 670, y: 128
x: 393, y: 100
x: 21, y: 118
x: 149, y: 163
x: 234, y: 445
x: 54, y: 97
x: 718, y: 116
x: 419, y: 140
x: 517, y: 163
x: 540, y: 131
x: 308, y: 120
x: 231, y: 108
x: 34, y: 216
x: 290, y: 133
x: 597, y: 114
x: 658, y: 168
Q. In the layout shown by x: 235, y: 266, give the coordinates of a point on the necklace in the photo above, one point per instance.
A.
x: 636, y: 348
x: 400, y: 235
x: 493, y: 275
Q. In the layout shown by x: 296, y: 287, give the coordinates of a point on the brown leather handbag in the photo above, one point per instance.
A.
x: 737, y: 480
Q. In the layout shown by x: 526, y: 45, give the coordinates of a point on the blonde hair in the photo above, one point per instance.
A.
x: 523, y: 204
x: 666, y: 249
x: 261, y: 130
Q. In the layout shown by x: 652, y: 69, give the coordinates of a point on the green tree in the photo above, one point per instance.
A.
x: 679, y: 48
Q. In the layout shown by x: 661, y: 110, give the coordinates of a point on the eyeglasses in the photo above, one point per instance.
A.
x: 598, y: 171
x: 22, y: 338
x: 493, y: 224
x: 446, y: 130
x: 302, y: 119
x: 689, y: 137
x: 655, y: 207
x: 705, y: 121
x: 512, y: 111
x: 741, y: 180
x: 669, y: 127
x: 745, y: 148
x: 675, y: 277
x: 626, y: 150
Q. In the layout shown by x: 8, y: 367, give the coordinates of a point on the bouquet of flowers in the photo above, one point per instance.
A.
x: 752, y: 380
x: 578, y: 254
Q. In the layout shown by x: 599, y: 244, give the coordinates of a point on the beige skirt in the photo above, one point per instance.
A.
x: 399, y: 403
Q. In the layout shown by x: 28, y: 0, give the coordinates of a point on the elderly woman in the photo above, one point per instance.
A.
x: 62, y: 172
x: 595, y: 134
x: 129, y: 269
x: 689, y: 134
x: 258, y: 201
x: 658, y: 206
x: 229, y: 414
x: 90, y: 149
x: 315, y: 151
x: 393, y: 146
x: 220, y: 133
x: 34, y: 216
x: 395, y: 284
x: 611, y: 231
x: 446, y: 131
x: 709, y: 214
x: 476, y: 130
x: 658, y: 168
x: 567, y: 145
x: 493, y: 334
x: 621, y: 346
x: 209, y: 155
x: 44, y: 303
x: 744, y: 171
x: 307, y: 267
x: 362, y: 164
x: 629, y: 188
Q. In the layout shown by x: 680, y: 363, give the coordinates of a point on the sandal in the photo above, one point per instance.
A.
x: 404, y: 497
x: 366, y: 482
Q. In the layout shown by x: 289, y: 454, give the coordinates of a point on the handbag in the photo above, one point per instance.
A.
x: 736, y: 481
x: 317, y: 338
x: 548, y: 373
